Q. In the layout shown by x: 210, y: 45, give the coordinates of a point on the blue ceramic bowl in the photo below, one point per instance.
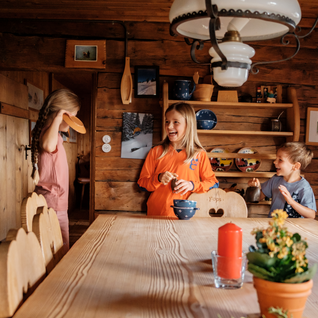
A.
x: 206, y: 124
x: 185, y: 203
x: 184, y: 213
x: 206, y: 119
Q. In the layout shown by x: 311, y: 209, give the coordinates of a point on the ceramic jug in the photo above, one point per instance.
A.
x: 183, y: 89
x: 252, y: 194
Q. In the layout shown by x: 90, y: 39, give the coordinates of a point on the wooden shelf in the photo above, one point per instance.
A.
x: 260, y: 203
x: 292, y: 122
x: 232, y: 174
x: 249, y: 133
x: 226, y: 155
x: 238, y: 105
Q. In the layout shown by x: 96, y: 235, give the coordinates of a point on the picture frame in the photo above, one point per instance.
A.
x: 277, y: 89
x: 31, y: 127
x: 312, y: 126
x: 146, y: 81
x: 73, y: 135
x: 35, y: 96
x: 85, y: 54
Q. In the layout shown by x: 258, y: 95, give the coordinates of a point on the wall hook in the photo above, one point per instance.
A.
x: 26, y: 149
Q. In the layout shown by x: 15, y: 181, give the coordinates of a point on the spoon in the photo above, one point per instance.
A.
x: 196, y: 77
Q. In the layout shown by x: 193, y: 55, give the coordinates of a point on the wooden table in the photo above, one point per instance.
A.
x: 128, y: 265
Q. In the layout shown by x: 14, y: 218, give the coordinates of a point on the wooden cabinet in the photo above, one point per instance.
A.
x: 291, y: 134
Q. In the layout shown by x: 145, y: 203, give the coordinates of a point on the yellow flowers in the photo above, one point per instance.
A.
x: 282, y: 244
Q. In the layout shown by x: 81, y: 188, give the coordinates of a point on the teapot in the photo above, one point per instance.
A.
x: 252, y: 194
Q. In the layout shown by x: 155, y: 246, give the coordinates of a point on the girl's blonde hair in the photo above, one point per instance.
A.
x: 298, y: 152
x: 190, y: 140
x: 57, y: 100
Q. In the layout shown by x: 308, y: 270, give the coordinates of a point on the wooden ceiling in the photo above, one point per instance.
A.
x: 123, y: 10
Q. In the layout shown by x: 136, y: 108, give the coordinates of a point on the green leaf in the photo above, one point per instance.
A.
x: 262, y: 260
x: 260, y: 272
x: 302, y: 277
x: 296, y: 237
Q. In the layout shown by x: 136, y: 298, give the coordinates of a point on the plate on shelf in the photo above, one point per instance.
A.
x: 221, y: 164
x: 206, y: 119
x: 246, y: 164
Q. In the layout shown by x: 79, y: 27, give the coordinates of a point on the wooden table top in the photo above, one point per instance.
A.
x: 128, y: 265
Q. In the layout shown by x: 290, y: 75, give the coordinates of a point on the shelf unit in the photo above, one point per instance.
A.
x: 293, y: 126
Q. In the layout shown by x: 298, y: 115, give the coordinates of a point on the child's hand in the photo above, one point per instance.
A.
x: 166, y: 177
x: 254, y: 183
x: 183, y: 186
x: 283, y: 190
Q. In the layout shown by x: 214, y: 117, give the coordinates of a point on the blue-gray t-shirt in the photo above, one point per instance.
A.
x: 300, y: 191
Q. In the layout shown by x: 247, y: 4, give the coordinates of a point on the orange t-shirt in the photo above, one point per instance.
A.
x: 54, y: 177
x: 199, y: 171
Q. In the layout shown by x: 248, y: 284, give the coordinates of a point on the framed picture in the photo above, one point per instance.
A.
x: 31, y: 127
x: 146, y: 81
x: 312, y: 126
x: 73, y: 135
x: 270, y: 94
x: 85, y: 54
x: 35, y: 96
x: 137, y: 134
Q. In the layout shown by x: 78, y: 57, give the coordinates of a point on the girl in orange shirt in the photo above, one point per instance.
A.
x: 179, y: 156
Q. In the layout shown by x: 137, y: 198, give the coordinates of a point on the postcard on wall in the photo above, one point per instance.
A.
x: 35, y: 96
x: 137, y: 135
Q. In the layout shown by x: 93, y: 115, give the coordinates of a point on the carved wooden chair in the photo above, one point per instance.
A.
x: 217, y: 200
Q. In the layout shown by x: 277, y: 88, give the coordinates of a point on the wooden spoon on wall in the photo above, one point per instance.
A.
x: 126, y: 83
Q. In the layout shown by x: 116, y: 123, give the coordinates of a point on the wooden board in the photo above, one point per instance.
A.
x: 13, y: 93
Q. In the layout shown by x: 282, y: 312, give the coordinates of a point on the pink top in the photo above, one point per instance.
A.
x: 54, y: 177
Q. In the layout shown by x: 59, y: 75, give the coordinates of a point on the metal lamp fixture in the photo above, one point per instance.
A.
x: 232, y: 22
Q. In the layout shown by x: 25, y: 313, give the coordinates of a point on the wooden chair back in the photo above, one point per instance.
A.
x: 230, y: 203
x: 22, y: 268
x: 37, y: 218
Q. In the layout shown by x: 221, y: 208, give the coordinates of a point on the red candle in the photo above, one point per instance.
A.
x: 230, y: 240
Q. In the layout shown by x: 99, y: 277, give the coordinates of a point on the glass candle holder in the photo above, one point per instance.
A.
x: 228, y: 271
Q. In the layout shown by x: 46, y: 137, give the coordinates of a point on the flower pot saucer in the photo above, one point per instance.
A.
x: 74, y: 123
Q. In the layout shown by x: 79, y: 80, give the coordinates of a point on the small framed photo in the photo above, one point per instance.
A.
x: 146, y: 80
x: 312, y: 126
x: 85, y: 54
x: 35, y: 96
x: 73, y: 135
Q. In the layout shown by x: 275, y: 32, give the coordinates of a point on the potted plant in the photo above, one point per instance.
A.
x: 280, y: 269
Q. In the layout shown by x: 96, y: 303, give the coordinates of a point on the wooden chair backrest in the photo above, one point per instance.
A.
x: 22, y: 268
x: 231, y: 203
x: 37, y: 218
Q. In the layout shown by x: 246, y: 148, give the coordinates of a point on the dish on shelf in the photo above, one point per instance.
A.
x: 221, y: 164
x: 206, y: 119
x: 247, y: 164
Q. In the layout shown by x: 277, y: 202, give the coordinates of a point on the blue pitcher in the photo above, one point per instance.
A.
x: 183, y: 89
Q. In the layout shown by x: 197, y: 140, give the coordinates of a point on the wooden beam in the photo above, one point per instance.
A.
x: 10, y: 110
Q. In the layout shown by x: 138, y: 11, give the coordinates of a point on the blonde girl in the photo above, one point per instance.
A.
x: 50, y: 168
x: 179, y: 156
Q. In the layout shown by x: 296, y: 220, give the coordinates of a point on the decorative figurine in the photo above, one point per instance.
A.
x: 265, y: 94
x: 271, y: 97
x: 258, y: 95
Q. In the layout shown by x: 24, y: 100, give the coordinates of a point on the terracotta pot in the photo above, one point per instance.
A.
x: 291, y: 297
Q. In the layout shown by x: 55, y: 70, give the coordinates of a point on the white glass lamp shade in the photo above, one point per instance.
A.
x: 255, y: 29
x: 235, y: 52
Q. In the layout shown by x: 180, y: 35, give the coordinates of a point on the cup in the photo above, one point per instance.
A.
x: 203, y: 92
x: 276, y: 125
x: 228, y: 271
x: 183, y: 89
